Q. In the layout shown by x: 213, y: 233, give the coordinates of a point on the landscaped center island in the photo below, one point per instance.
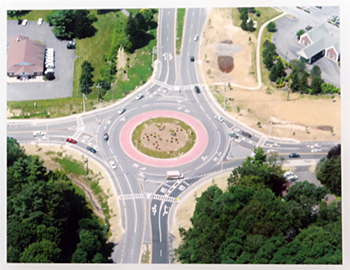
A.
x: 163, y: 137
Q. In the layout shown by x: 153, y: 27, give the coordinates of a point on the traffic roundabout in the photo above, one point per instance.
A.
x: 163, y: 138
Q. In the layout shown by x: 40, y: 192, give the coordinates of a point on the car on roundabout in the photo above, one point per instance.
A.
x: 219, y: 118
x: 106, y: 136
x: 294, y: 155
x: 139, y: 96
x: 122, y: 110
x: 112, y: 164
x: 70, y: 140
x: 91, y: 149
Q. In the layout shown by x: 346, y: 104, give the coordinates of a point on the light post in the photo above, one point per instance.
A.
x: 84, y: 97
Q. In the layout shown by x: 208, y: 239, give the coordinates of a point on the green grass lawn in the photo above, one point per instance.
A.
x: 267, y: 13
x: 180, y: 24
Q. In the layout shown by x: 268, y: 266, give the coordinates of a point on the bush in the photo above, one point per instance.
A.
x: 271, y: 27
x: 329, y: 89
x: 257, y: 13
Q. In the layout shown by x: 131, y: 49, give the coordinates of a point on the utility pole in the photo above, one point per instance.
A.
x: 99, y: 87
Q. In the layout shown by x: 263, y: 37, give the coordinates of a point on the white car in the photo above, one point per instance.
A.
x: 40, y: 21
x: 24, y: 22
x: 38, y: 133
x: 121, y: 110
x: 292, y: 177
x: 195, y: 38
x: 288, y: 173
x: 113, y: 166
x: 139, y: 96
x: 219, y: 118
x: 272, y: 151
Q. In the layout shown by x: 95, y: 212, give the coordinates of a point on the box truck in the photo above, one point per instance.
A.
x: 174, y: 175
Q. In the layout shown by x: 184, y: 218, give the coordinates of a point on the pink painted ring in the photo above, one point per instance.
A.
x: 132, y: 152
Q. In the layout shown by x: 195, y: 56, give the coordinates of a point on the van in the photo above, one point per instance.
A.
x: 174, y: 175
x: 38, y: 133
x: 49, y: 70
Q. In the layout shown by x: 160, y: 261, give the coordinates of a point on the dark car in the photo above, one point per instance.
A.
x: 307, y: 28
x: 106, y: 136
x: 196, y: 88
x: 91, y: 149
x: 233, y: 135
x: 19, y: 21
x: 294, y: 155
x: 71, y: 44
x: 248, y: 135
x: 192, y: 58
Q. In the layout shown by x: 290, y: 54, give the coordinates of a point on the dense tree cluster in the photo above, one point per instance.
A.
x: 329, y: 171
x: 86, y: 77
x: 247, y: 23
x: 70, y: 24
x: 17, y: 13
x: 137, y: 28
x: 251, y: 224
x: 268, y: 54
x: 47, y: 221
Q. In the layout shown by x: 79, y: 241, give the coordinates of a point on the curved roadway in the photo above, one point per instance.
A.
x: 145, y: 196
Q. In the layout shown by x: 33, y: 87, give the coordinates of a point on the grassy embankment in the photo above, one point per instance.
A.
x: 179, y: 31
x: 93, y: 49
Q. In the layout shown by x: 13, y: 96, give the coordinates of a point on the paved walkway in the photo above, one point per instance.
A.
x: 130, y: 150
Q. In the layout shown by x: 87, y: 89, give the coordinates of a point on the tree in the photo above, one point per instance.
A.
x: 316, y: 85
x: 330, y: 175
x: 300, y: 32
x: 334, y: 152
x: 316, y: 72
x: 50, y: 76
x: 69, y: 24
x: 268, y: 61
x: 277, y: 71
x: 303, y: 85
x: 271, y: 27
x: 14, y: 151
x: 41, y: 252
x: 298, y: 66
x: 250, y: 26
x: 86, y: 77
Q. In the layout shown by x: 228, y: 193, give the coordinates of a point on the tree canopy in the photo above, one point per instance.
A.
x: 70, y: 24
x: 252, y: 224
x: 47, y: 221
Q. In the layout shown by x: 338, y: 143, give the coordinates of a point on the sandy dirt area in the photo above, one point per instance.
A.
x: 105, y: 182
x: 299, y: 115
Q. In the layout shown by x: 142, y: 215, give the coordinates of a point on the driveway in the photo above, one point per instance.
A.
x: 287, y: 45
x: 30, y: 90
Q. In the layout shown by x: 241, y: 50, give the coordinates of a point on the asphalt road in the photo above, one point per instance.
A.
x: 62, y: 86
x: 145, y: 196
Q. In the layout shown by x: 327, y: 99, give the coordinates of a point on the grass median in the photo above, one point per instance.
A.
x: 180, y: 24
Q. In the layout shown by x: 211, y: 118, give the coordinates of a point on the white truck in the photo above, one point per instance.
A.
x: 174, y: 175
x: 38, y: 133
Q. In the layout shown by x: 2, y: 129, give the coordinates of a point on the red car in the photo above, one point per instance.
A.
x: 70, y: 140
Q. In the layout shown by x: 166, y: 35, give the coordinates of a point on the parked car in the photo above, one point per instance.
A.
x: 19, y: 22
x: 91, y: 149
x: 24, y: 22
x: 40, y: 21
x: 113, y: 166
x: 219, y: 118
x: 70, y: 140
x: 192, y: 58
x: 288, y: 173
x: 233, y: 135
x: 106, y: 136
x: 139, y: 96
x: 121, y: 110
x: 272, y: 151
x: 71, y: 44
x: 292, y: 177
x: 196, y: 88
x: 294, y: 155
x: 195, y: 38
x: 307, y: 28
x: 49, y: 70
x: 246, y: 134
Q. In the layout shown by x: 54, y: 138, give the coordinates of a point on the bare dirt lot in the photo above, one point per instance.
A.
x: 300, y: 115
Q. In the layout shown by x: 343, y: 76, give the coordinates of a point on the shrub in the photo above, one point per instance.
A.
x: 257, y: 13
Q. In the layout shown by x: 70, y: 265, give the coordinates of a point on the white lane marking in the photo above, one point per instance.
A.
x: 160, y: 252
x: 110, y: 149
x: 154, y: 209
x: 127, y: 180
x: 105, y: 127
x: 160, y: 228
x: 165, y: 212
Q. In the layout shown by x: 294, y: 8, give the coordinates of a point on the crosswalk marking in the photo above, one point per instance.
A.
x: 163, y: 198
x: 132, y: 196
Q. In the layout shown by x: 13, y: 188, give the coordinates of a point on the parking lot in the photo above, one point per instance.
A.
x: 287, y: 45
x: 64, y: 65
